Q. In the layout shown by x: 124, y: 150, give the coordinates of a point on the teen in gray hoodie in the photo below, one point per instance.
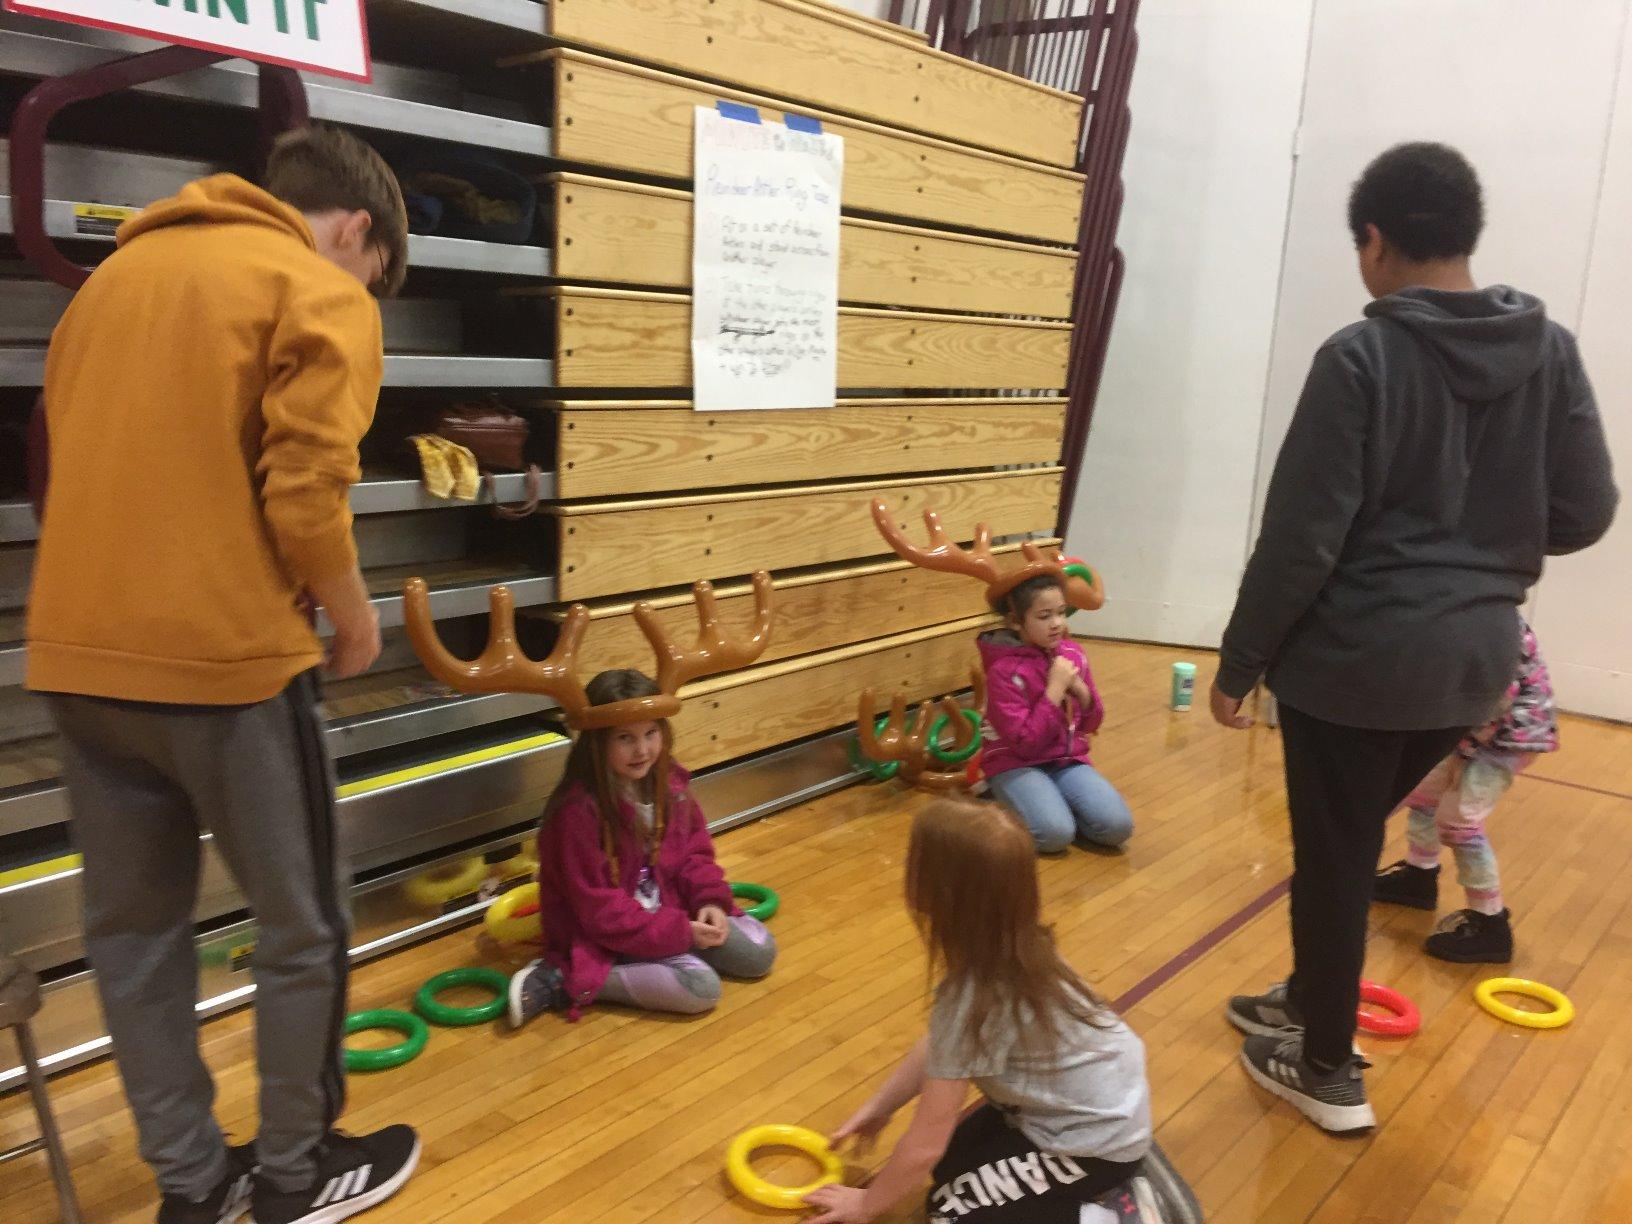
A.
x: 1442, y: 448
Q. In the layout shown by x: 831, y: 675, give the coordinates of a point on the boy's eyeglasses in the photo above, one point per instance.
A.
x: 379, y: 285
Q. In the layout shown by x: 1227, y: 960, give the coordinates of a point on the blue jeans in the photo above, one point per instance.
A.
x: 1063, y: 802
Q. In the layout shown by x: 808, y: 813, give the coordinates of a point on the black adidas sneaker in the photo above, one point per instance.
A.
x: 1333, y: 1100
x: 1267, y: 1014
x: 225, y: 1204
x: 354, y: 1173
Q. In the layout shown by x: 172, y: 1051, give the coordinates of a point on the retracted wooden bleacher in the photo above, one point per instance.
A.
x: 954, y: 337
x: 957, y: 261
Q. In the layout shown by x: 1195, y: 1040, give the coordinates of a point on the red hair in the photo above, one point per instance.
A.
x: 971, y: 885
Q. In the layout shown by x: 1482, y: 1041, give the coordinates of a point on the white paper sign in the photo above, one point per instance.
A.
x: 764, y: 265
x: 327, y: 36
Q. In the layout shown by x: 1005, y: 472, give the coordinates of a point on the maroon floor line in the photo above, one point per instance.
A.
x: 1580, y: 786
x: 1165, y: 973
x: 1153, y: 982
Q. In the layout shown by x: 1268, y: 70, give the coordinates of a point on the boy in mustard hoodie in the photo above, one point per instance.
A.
x: 205, y: 394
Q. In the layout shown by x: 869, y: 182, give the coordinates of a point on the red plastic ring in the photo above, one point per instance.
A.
x: 1404, y: 1021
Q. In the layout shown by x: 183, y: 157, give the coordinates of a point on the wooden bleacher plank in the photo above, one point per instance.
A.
x: 815, y: 55
x: 609, y: 448
x: 813, y: 611
x: 609, y: 230
x: 606, y: 548
x: 640, y: 120
x: 626, y: 338
x: 749, y: 711
x: 892, y: 27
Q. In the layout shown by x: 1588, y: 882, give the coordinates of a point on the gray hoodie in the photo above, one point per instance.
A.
x: 1440, y: 450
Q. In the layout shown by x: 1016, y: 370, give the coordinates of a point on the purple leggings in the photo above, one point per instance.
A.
x: 690, y: 983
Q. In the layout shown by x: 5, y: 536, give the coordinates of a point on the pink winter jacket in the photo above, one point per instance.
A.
x: 590, y: 922
x: 1022, y: 726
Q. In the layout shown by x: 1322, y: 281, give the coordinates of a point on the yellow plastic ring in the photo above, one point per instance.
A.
x: 752, y: 1186
x: 1563, y: 1010
x: 433, y: 889
x: 505, y: 925
x: 523, y: 862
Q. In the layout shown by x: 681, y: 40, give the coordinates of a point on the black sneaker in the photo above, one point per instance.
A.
x: 354, y: 1173
x: 1402, y: 884
x: 223, y: 1205
x: 534, y: 990
x: 1468, y: 937
x: 1333, y: 1100
x: 1265, y: 1015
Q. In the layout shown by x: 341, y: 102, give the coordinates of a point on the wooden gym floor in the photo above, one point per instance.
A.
x: 624, y: 1117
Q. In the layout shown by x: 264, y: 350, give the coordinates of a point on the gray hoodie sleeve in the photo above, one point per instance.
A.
x: 1581, y: 495
x: 1314, y: 495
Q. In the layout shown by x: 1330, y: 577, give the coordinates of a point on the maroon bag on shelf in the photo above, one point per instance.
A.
x: 496, y: 435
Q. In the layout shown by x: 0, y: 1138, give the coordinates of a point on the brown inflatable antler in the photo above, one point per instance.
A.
x: 503, y: 667
x: 978, y: 562
x: 909, y: 743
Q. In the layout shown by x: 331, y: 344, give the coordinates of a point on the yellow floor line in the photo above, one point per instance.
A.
x: 363, y: 786
x: 415, y: 772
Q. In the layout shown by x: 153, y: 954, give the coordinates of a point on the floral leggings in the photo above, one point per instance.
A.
x: 1449, y: 808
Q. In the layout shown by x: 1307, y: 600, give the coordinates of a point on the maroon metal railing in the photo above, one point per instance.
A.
x: 282, y: 106
x: 282, y: 99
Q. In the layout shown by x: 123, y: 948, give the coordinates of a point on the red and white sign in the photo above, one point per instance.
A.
x: 326, y: 36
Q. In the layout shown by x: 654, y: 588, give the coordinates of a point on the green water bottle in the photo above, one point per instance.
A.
x: 1184, y: 685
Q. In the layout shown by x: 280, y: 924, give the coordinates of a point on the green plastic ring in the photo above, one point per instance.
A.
x: 881, y: 771
x: 953, y: 756
x: 426, y: 1004
x: 1077, y: 570
x: 413, y: 1029
x: 768, y: 901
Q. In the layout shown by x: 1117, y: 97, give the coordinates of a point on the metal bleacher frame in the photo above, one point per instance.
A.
x: 414, y: 793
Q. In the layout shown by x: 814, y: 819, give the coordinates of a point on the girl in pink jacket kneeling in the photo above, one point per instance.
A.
x: 634, y: 907
x: 1041, y: 707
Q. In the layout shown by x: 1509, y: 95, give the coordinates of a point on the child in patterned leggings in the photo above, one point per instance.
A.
x: 1449, y: 808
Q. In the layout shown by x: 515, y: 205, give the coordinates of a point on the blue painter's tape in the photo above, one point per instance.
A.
x: 803, y: 123
x: 736, y: 110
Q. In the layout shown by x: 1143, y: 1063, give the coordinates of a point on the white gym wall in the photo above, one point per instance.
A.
x: 1216, y: 325
x: 1167, y: 481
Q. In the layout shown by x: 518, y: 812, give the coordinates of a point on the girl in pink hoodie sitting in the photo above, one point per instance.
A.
x: 634, y: 907
x: 1041, y: 707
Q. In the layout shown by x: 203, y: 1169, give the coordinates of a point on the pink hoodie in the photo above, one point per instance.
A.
x: 1022, y: 727
x: 589, y: 922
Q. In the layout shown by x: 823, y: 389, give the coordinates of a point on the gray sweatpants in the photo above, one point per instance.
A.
x: 143, y: 782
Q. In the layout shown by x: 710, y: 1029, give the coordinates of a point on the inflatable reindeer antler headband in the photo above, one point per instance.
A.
x: 910, y: 748
x: 505, y: 668
x: 1083, y: 588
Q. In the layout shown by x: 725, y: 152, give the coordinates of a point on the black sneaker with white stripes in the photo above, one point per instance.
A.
x: 354, y: 1173
x: 1267, y: 1014
x: 227, y: 1200
x: 1333, y: 1100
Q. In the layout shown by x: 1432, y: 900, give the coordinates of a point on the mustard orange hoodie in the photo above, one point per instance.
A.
x: 205, y: 393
